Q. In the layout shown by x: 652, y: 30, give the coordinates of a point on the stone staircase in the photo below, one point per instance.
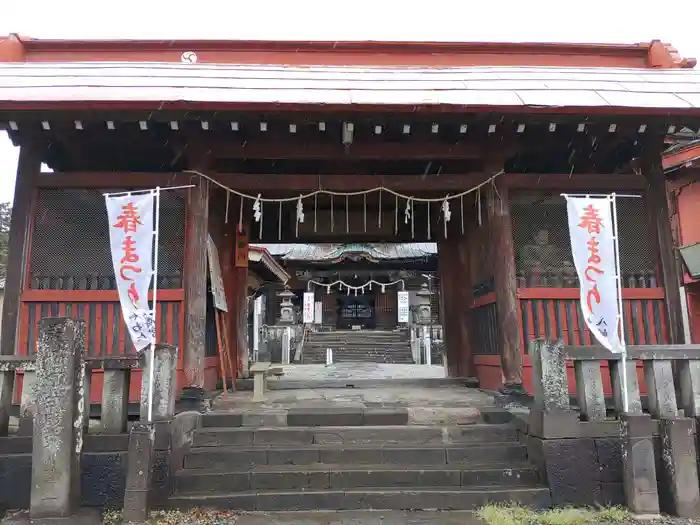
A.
x: 358, y: 346
x: 283, y: 468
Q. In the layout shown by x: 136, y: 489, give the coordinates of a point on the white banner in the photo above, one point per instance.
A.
x: 308, y: 307
x: 403, y: 306
x: 593, y: 249
x: 131, y: 242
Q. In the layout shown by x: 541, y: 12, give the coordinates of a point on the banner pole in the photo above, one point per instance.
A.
x: 620, y: 316
x: 152, y: 356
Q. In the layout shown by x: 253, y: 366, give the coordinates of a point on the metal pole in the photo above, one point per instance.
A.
x: 152, y: 357
x: 620, y: 316
x: 146, y: 191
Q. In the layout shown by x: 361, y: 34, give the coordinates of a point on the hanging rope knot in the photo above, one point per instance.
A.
x: 257, y: 213
x: 407, y: 212
x: 300, y: 210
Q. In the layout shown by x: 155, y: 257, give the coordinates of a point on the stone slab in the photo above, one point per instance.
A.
x: 325, y: 417
x: 264, y: 418
x: 385, y: 416
x: 84, y: 516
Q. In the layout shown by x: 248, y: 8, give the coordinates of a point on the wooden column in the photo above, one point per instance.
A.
x: 226, y: 257
x: 456, y: 297
x: 503, y: 260
x: 195, y: 273
x: 446, y: 265
x: 28, y: 170
x: 657, y: 204
x: 238, y: 327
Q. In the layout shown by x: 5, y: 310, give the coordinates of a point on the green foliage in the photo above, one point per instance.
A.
x: 5, y: 214
x: 517, y: 515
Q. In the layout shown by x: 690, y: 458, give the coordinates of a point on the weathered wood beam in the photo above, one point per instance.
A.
x: 28, y: 169
x: 503, y: 260
x: 657, y: 204
x: 195, y: 282
x: 579, y: 181
x: 291, y: 148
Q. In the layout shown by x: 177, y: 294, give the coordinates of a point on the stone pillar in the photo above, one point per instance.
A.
x: 28, y: 169
x: 448, y: 307
x: 27, y: 404
x: 115, y: 401
x: 506, y: 286
x: 139, y: 473
x: 679, y: 494
x: 165, y: 377
x: 195, y: 272
x: 638, y: 466
x: 7, y: 384
x: 58, y: 423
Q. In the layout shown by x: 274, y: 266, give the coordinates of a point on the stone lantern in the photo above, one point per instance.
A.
x: 286, y: 307
x: 423, y: 299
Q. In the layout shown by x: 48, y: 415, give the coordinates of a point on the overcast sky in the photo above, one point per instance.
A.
x: 613, y: 21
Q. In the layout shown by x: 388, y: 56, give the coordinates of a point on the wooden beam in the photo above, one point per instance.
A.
x: 503, y: 261
x: 351, y: 182
x: 576, y: 181
x: 28, y: 169
x: 289, y: 148
x: 657, y: 204
x: 110, y: 179
x: 195, y: 276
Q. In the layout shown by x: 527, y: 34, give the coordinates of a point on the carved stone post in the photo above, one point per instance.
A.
x: 164, y: 382
x: 58, y: 422
x: 638, y: 467
x: 424, y: 318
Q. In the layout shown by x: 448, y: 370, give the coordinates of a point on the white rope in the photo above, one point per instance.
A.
x: 350, y: 287
x: 347, y: 194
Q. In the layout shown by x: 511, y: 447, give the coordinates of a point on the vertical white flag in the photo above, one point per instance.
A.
x: 593, y: 249
x: 131, y: 242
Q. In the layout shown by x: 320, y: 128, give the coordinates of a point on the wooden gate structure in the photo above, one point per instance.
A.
x: 527, y: 122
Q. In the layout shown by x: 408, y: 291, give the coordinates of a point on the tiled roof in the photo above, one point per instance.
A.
x: 329, y: 252
x: 458, y: 86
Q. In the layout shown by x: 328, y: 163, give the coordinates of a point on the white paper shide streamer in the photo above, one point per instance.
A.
x: 131, y: 242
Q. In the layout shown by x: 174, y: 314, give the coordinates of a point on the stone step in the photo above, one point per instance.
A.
x: 234, y: 457
x: 378, y: 499
x: 322, y: 477
x: 359, y: 358
x: 354, y: 435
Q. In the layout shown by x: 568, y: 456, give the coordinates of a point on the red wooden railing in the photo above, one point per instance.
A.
x: 106, y: 333
x: 554, y: 313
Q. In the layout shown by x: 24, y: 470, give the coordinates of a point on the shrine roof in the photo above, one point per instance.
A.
x: 338, y: 252
x: 163, y: 84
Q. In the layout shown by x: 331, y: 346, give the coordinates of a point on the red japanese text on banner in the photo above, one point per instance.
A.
x: 131, y: 242
x: 593, y: 249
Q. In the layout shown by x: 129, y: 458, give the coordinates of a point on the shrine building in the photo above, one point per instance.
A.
x: 342, y: 161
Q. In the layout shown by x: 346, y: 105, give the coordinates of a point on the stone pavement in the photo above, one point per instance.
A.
x: 91, y: 517
x: 362, y: 371
x: 427, y: 396
x: 359, y: 518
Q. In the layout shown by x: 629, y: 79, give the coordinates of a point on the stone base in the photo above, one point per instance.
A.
x: 81, y: 517
x: 193, y: 399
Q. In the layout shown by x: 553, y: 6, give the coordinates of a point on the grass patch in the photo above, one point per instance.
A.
x: 177, y: 517
x: 517, y: 515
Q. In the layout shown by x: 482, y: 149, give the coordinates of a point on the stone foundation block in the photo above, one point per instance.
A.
x: 679, y: 494
x: 638, y: 465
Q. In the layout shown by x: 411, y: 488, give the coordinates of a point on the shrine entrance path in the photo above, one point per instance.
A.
x: 422, y: 390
